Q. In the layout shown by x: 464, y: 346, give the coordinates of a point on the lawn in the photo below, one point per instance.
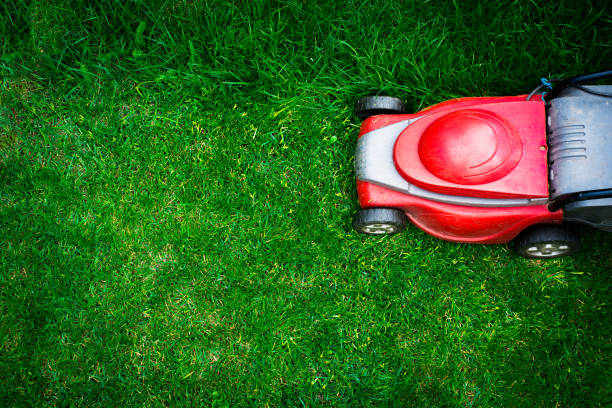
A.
x: 176, y: 194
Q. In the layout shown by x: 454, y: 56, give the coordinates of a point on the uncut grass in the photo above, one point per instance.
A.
x: 176, y: 210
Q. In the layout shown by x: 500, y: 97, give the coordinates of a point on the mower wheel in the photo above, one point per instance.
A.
x: 378, y: 105
x: 379, y: 221
x: 547, y: 241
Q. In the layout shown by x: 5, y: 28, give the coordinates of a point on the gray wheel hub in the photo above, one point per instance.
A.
x: 548, y: 249
x: 379, y: 228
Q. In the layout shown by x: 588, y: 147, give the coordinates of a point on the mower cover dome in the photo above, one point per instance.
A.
x: 471, y: 146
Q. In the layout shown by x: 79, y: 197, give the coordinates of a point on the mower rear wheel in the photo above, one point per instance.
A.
x: 378, y: 105
x: 547, y: 241
x: 379, y: 221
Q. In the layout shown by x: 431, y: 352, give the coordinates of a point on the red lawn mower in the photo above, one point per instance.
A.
x: 490, y: 170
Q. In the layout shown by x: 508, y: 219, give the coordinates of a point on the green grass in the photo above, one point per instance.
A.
x: 176, y: 190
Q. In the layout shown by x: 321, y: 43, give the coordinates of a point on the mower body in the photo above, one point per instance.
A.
x: 481, y: 170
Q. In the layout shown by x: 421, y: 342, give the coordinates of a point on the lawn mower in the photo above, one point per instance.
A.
x: 490, y: 170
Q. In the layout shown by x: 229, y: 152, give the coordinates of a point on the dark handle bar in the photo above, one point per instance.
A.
x: 566, y: 83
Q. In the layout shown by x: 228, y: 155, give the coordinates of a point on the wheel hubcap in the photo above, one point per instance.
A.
x: 379, y: 229
x: 548, y: 249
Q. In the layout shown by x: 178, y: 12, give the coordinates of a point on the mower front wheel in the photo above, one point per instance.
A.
x: 547, y: 241
x: 379, y: 221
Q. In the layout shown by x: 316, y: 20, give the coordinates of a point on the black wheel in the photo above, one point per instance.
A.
x: 547, y: 241
x: 378, y: 105
x: 378, y: 221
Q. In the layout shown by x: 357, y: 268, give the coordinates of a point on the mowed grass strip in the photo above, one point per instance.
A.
x: 176, y: 189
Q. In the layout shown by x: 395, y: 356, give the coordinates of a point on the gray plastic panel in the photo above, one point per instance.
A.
x: 596, y: 213
x: 374, y: 163
x: 580, y: 141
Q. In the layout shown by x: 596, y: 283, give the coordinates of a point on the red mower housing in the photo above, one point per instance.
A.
x: 478, y: 147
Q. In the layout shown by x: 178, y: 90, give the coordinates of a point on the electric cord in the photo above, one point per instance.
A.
x: 534, y: 91
x: 546, y: 83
